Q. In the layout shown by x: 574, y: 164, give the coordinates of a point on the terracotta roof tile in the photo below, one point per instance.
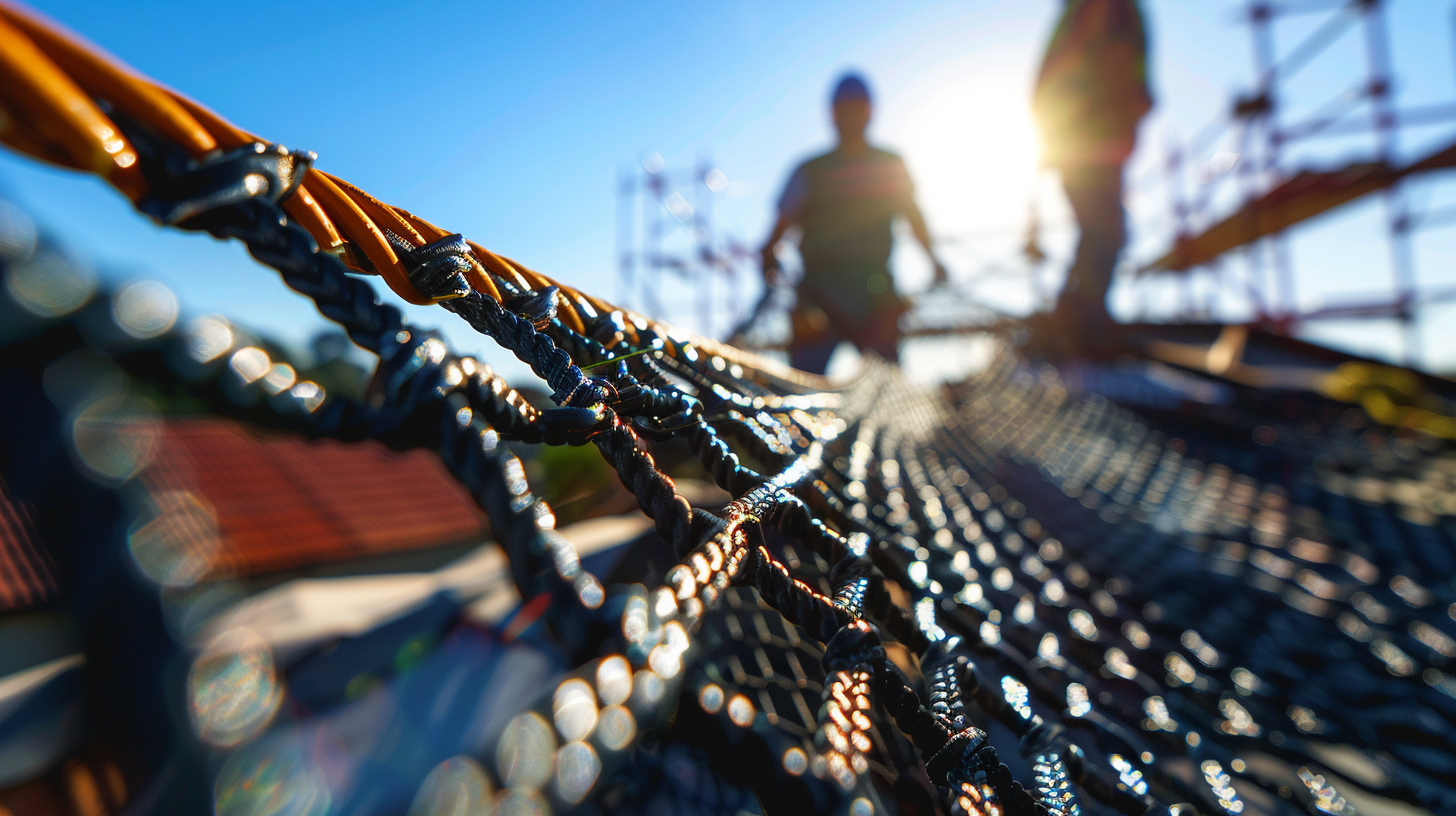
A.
x: 27, y: 574
x: 282, y: 502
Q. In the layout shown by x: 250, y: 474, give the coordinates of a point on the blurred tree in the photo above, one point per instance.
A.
x: 335, y: 364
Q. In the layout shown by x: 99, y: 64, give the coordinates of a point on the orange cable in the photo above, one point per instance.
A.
x: 69, y: 122
x: 499, y: 265
x: 565, y: 308
x: 227, y: 134
x: 302, y: 206
x: 478, y: 275
x: 105, y: 78
x: 381, y: 214
x: 353, y: 223
x: 59, y: 123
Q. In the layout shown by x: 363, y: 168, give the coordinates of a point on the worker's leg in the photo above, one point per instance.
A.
x: 812, y: 355
x: 813, y: 341
x: 1095, y: 195
x: 880, y: 333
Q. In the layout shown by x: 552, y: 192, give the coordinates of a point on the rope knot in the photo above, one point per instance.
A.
x: 437, y: 269
x: 537, y: 307
x: 1043, y: 738
x: 574, y: 425
x: 257, y: 170
x: 657, y: 412
x: 958, y: 757
x: 855, y: 644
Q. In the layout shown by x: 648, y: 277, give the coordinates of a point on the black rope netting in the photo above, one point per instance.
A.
x: 995, y: 597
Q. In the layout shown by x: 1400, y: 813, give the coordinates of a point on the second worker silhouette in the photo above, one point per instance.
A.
x: 843, y: 203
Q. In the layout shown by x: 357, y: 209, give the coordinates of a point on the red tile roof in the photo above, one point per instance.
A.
x: 283, y: 502
x: 27, y: 574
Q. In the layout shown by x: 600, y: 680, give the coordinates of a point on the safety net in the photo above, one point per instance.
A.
x: 1006, y: 595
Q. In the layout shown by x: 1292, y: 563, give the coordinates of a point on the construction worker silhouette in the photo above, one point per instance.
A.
x: 1090, y: 94
x: 843, y: 203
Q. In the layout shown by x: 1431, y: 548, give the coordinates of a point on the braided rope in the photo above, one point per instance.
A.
x: 892, y: 515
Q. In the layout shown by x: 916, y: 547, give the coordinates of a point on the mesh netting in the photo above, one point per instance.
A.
x: 997, y: 597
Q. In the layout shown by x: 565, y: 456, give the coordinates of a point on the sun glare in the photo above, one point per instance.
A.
x: 972, y: 148
x: 972, y: 145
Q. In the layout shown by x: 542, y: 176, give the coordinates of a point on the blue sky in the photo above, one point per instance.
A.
x: 511, y: 122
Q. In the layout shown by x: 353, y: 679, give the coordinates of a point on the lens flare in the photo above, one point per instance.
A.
x: 456, y: 787
x: 233, y: 689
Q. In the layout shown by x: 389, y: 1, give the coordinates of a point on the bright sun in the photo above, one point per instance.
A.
x: 967, y: 135
x: 972, y: 145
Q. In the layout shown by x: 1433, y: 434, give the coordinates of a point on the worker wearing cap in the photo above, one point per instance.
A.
x: 843, y: 204
x: 1090, y: 94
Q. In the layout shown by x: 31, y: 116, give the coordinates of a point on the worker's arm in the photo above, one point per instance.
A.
x: 769, y: 258
x: 922, y: 235
x: 791, y: 207
x: 907, y: 206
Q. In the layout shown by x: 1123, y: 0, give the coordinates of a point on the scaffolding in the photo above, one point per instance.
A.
x: 1275, y: 197
x: 665, y: 225
x: 1233, y: 195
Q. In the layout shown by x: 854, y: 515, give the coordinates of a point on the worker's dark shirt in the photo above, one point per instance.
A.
x: 844, y: 204
x: 1093, y: 85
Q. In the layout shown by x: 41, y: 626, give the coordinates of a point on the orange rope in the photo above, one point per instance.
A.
x: 103, y: 78
x: 48, y: 79
x: 356, y: 226
x: 74, y: 132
